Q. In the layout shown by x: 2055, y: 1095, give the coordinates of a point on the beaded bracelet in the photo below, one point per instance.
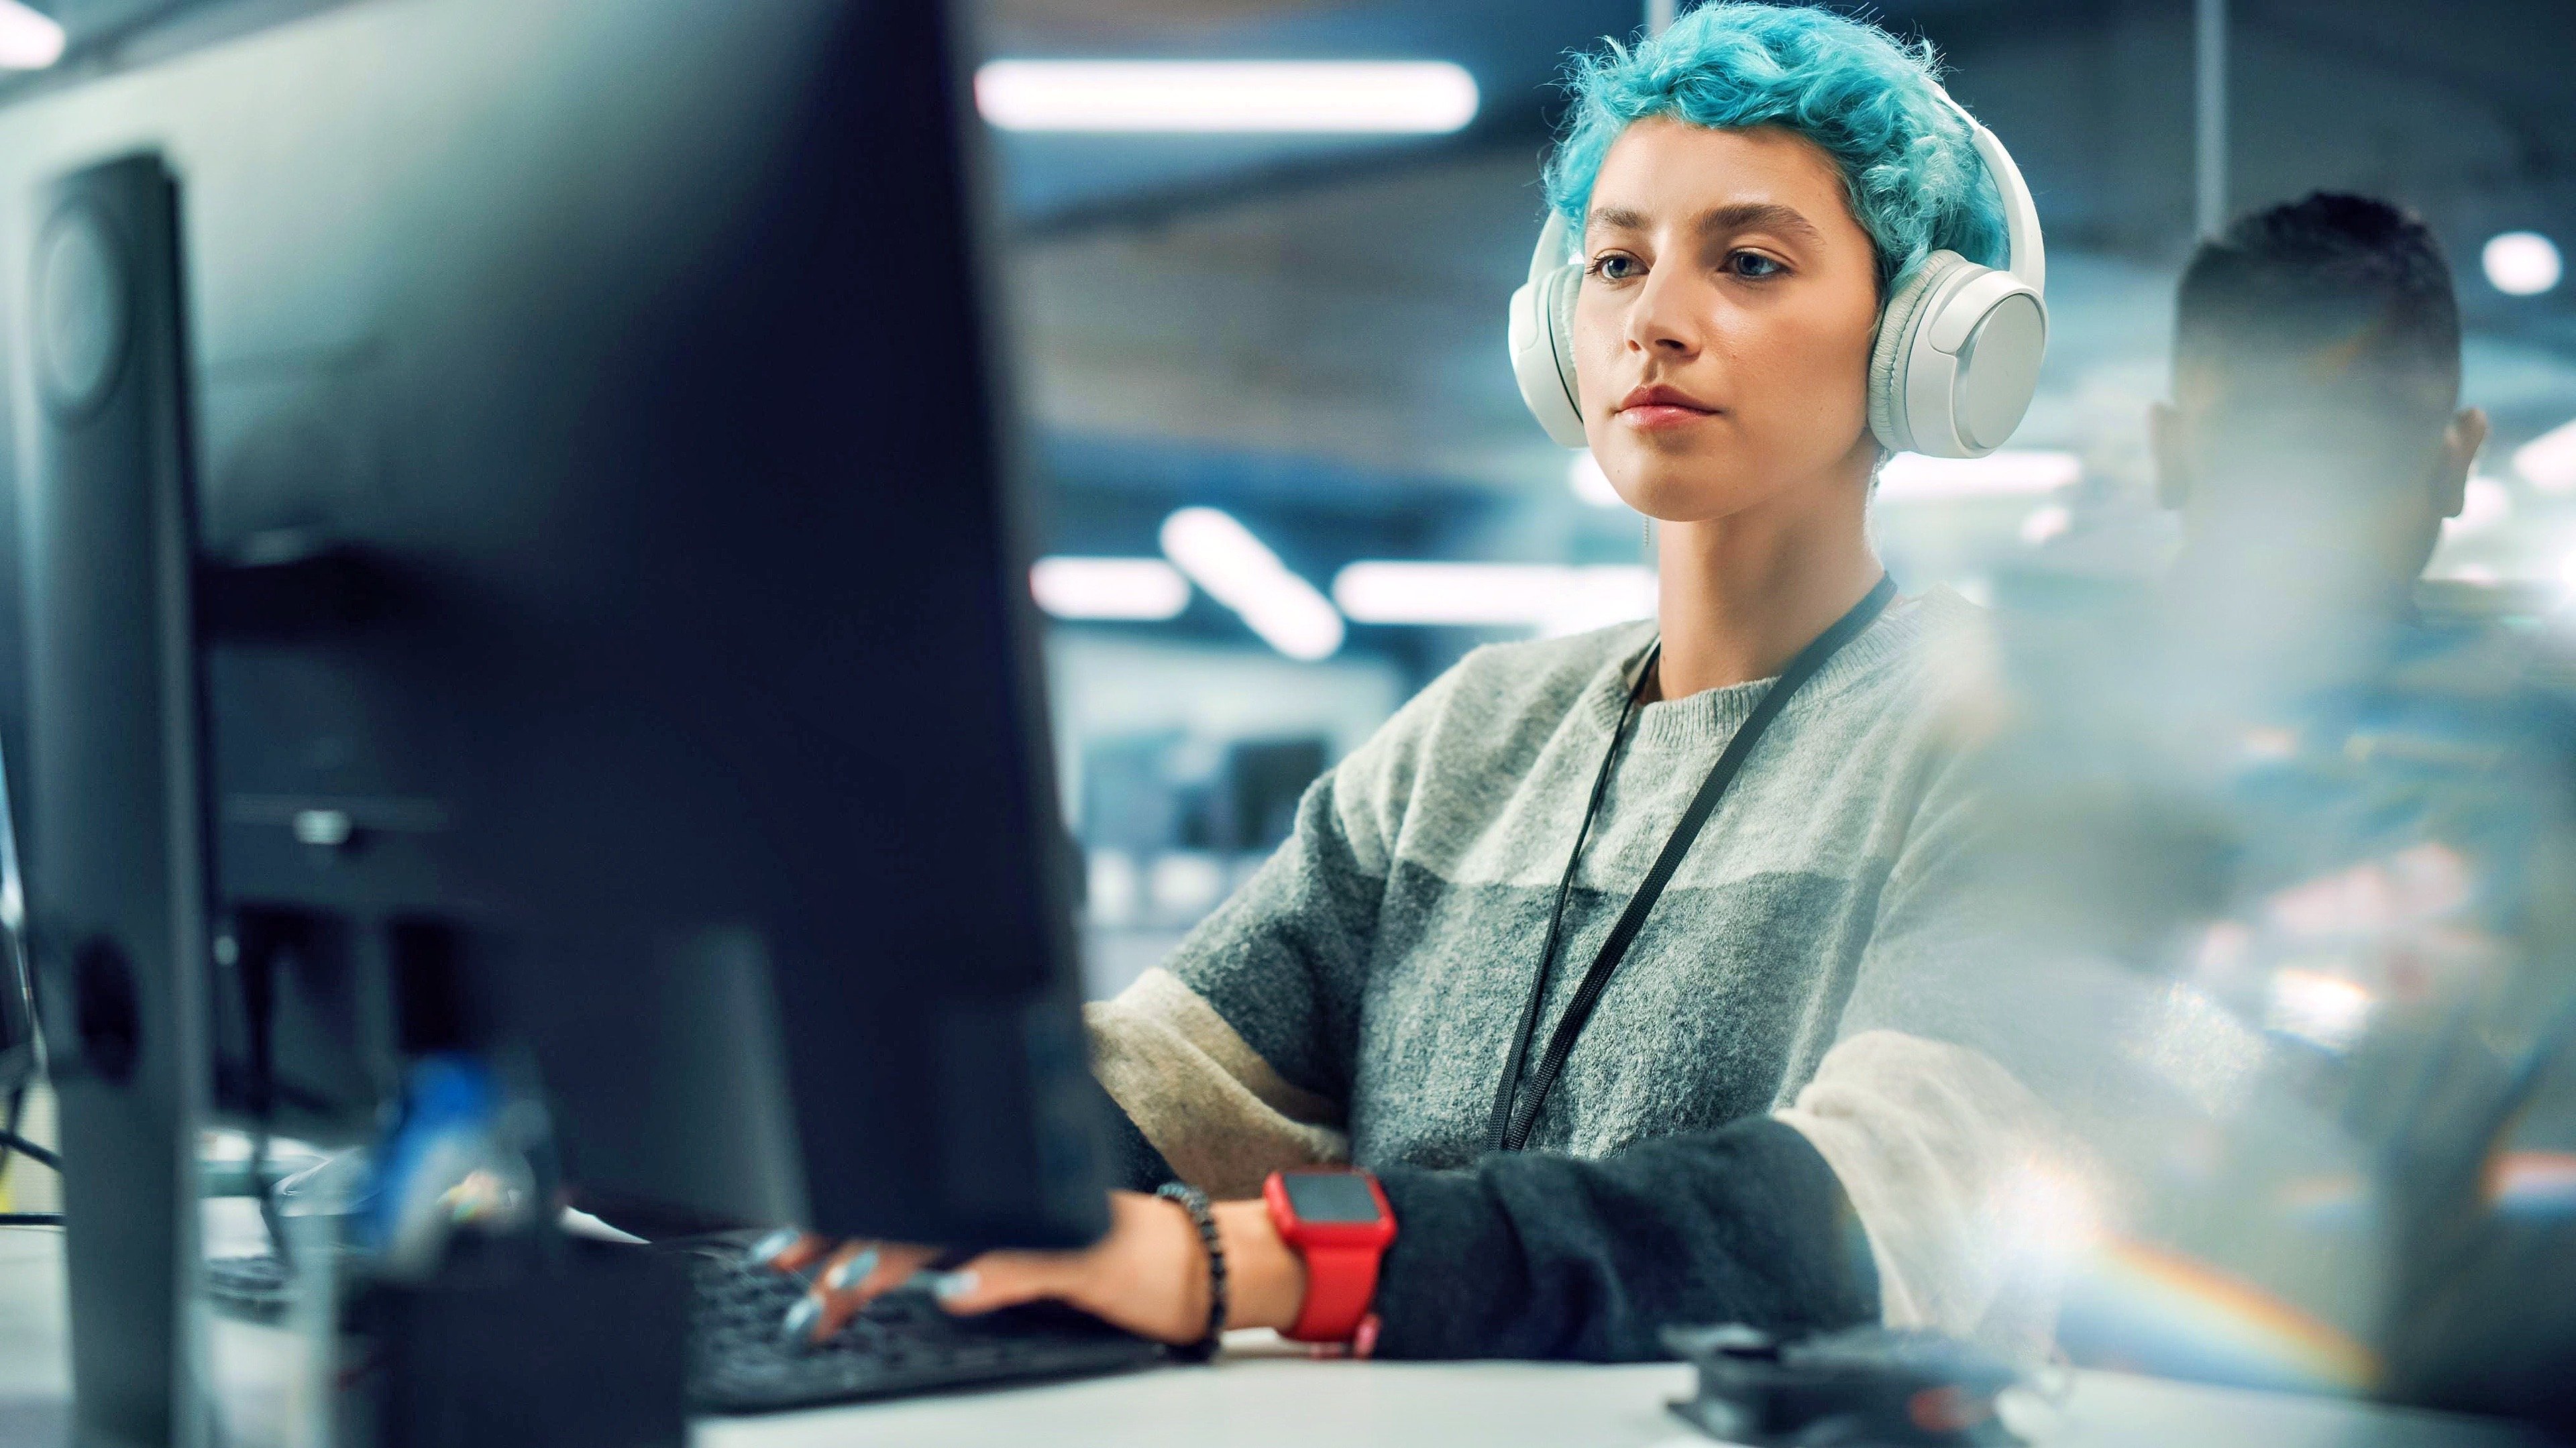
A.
x: 1195, y: 1202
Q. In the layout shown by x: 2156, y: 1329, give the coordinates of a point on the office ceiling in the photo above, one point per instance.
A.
x: 1122, y: 17
x: 1342, y: 301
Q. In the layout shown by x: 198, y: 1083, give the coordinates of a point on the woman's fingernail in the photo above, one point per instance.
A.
x: 851, y: 1273
x: 767, y: 1249
x: 949, y: 1286
x: 800, y: 1319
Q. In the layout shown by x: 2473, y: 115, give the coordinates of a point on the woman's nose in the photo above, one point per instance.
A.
x: 1663, y: 319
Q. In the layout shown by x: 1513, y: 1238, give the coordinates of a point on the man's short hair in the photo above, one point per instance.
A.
x: 2330, y: 302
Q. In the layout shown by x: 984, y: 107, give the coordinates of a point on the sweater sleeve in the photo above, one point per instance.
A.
x: 1970, y: 1187
x: 1537, y: 1255
x: 1234, y: 1058
x: 1957, y: 1174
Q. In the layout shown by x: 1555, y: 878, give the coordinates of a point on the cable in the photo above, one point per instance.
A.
x: 9, y: 1128
x: 41, y: 1156
x: 10, y: 1140
x: 258, y: 966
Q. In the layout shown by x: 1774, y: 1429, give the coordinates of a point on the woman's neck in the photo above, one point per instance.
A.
x: 1742, y: 594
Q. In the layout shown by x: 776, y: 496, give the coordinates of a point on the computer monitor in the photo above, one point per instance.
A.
x: 611, y: 648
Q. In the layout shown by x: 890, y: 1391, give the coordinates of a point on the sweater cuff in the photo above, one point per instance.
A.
x: 1526, y: 1255
x: 1131, y: 1162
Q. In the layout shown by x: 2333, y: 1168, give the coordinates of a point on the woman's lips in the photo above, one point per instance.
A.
x: 1658, y: 416
x: 1656, y: 408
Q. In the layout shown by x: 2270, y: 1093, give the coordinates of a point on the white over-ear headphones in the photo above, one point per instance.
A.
x: 1950, y: 375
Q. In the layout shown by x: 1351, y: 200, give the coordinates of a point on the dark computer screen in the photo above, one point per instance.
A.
x: 647, y: 688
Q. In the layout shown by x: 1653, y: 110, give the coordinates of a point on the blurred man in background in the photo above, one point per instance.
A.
x: 2313, y: 449
x: 2312, y: 446
x: 2318, y: 838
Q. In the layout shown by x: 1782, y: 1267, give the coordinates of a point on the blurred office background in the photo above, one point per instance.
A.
x: 1271, y: 360
x: 1286, y: 477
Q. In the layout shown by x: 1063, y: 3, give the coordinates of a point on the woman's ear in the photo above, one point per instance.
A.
x: 2173, y: 458
x: 2461, y: 441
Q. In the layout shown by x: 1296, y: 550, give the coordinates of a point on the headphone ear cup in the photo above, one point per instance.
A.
x: 1562, y: 289
x: 1542, y: 334
x: 1897, y: 324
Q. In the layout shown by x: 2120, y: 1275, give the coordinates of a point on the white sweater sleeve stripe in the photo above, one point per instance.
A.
x: 1971, y: 1197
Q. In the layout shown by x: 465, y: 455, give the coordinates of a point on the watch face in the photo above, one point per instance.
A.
x: 1330, y: 1196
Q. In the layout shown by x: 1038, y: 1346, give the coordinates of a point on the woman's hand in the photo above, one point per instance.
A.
x: 1149, y: 1275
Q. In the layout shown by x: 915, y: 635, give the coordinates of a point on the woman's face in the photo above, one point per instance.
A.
x: 1723, y: 329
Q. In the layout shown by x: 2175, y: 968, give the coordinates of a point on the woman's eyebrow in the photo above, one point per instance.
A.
x: 1617, y: 218
x: 1716, y: 221
x: 1757, y: 216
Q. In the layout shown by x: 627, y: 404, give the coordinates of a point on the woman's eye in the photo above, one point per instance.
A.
x: 1753, y: 265
x: 1615, y: 267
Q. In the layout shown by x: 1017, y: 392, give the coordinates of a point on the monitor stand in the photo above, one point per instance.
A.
x: 115, y: 820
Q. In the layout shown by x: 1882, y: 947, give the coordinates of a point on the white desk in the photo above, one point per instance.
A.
x: 1279, y: 1402
x: 1262, y: 1397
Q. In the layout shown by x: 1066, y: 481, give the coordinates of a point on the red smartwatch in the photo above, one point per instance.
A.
x: 1337, y: 1218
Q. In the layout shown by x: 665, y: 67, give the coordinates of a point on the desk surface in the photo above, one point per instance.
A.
x: 1262, y: 1401
x: 1262, y: 1396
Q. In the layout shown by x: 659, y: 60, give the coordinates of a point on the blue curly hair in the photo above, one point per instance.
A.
x: 1910, y: 171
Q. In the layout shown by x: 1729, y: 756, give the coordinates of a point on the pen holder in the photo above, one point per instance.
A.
x: 585, y: 1350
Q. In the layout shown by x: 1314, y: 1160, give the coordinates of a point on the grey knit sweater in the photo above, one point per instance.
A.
x: 1357, y: 998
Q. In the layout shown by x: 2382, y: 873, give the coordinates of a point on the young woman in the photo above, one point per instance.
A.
x: 1718, y: 1133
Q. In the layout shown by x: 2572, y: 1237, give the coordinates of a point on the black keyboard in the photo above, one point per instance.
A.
x: 739, y: 1362
x: 903, y: 1343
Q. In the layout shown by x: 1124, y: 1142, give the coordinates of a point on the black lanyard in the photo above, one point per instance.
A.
x: 1515, y: 1111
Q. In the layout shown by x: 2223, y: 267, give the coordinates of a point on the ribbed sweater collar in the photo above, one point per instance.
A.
x: 1706, y: 720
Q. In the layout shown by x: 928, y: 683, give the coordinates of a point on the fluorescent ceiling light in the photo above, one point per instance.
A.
x: 2327, y: 1010
x: 1239, y: 571
x: 2012, y: 473
x: 1589, y: 483
x: 2548, y: 462
x: 28, y: 40
x: 1548, y: 597
x: 2521, y: 263
x: 1347, y: 96
x: 1142, y: 589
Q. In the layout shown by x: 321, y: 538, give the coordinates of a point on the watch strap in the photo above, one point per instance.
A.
x: 1340, y: 1284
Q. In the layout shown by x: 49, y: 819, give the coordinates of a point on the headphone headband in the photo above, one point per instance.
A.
x: 2028, y: 255
x: 1554, y: 248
